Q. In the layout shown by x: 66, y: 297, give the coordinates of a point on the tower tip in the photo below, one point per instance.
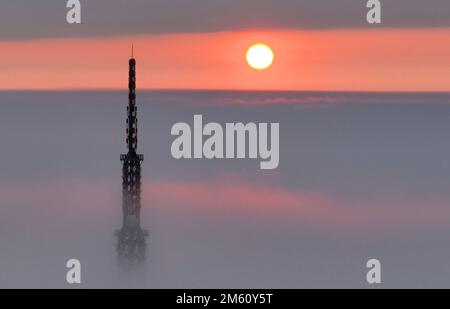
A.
x: 132, y: 51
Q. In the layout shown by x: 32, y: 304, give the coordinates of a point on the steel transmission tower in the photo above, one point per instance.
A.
x: 131, y: 238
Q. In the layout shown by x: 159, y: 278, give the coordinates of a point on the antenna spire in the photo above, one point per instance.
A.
x: 132, y: 51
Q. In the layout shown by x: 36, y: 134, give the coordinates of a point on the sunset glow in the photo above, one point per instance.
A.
x: 341, y: 60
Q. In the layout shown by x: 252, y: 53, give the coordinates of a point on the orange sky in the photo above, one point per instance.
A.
x: 353, y: 60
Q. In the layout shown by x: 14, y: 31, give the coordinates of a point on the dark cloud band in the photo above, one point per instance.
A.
x: 24, y: 19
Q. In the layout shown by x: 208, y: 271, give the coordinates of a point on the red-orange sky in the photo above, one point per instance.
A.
x: 343, y: 60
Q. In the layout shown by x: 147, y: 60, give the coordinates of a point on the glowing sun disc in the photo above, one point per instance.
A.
x: 260, y: 57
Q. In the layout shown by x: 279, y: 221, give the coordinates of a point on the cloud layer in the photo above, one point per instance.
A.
x: 23, y: 19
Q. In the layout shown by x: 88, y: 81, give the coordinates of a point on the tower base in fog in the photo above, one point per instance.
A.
x: 131, y: 245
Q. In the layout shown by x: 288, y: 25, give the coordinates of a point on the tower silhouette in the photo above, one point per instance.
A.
x: 131, y: 244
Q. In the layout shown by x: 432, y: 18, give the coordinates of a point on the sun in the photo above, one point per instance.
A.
x: 260, y: 57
